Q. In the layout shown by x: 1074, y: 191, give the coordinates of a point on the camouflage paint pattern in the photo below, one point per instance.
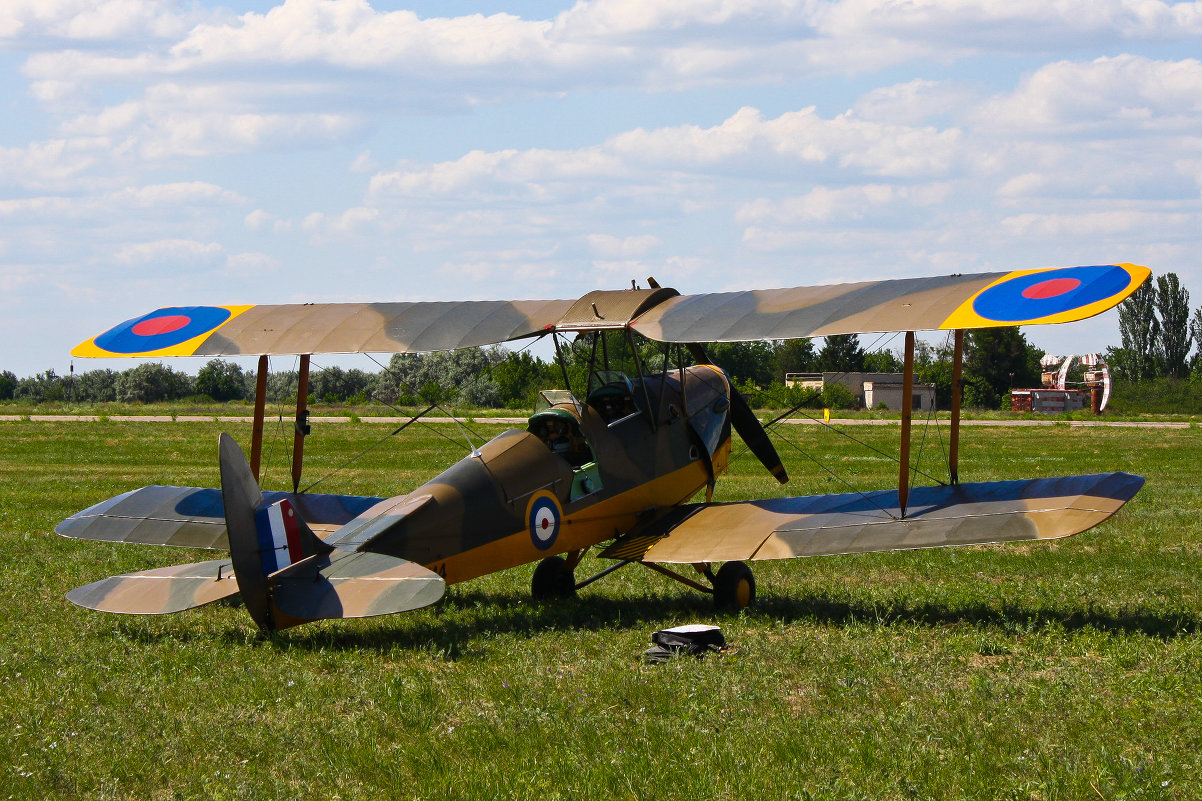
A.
x: 964, y: 514
x: 473, y: 518
x: 194, y: 517
x: 161, y: 590
x: 907, y: 304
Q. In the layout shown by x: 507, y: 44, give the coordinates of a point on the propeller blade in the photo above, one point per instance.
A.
x: 748, y: 425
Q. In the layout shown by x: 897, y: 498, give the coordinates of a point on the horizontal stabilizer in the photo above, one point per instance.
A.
x: 344, y: 584
x: 159, y: 591
x: 964, y: 514
x: 194, y: 517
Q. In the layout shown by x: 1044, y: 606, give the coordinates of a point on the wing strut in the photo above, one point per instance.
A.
x: 256, y: 441
x: 302, y: 422
x: 953, y: 449
x: 903, y: 473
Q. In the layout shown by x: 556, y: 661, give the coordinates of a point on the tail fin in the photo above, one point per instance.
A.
x: 242, y: 498
x: 288, y: 575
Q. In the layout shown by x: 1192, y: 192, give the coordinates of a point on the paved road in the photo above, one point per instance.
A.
x: 521, y: 421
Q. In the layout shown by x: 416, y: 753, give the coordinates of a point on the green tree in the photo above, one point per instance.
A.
x: 152, y: 382
x: 41, y: 388
x: 1139, y: 331
x: 1172, y: 305
x: 882, y: 361
x: 933, y: 365
x: 8, y: 384
x: 519, y: 377
x: 793, y: 356
x: 1001, y: 358
x: 841, y: 354
x: 221, y: 381
x: 443, y: 376
x: 96, y: 386
x: 744, y: 361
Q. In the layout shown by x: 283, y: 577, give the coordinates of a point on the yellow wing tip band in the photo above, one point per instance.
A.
x: 124, y: 339
x: 1068, y: 294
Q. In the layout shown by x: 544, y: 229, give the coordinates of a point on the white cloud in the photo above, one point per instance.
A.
x: 166, y: 198
x: 88, y: 20
x: 252, y: 263
x: 1011, y: 25
x: 1113, y: 95
x: 609, y: 246
x: 177, y: 252
x: 1106, y: 225
x: 795, y: 140
x: 824, y: 205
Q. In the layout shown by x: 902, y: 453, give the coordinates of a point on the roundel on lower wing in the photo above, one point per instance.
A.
x: 543, y: 517
x: 1051, y: 295
x: 164, y: 328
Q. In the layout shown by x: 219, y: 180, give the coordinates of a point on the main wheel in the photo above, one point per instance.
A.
x: 734, y: 587
x: 552, y: 579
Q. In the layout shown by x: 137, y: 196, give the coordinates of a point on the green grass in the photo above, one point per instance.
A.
x: 1069, y: 670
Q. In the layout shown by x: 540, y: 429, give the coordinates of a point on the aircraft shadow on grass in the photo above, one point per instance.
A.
x: 513, y: 613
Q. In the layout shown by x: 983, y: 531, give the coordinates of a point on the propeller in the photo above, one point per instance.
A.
x: 747, y: 424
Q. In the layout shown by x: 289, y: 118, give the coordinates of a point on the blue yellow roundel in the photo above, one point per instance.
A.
x: 1052, y: 295
x: 543, y: 518
x: 172, y: 331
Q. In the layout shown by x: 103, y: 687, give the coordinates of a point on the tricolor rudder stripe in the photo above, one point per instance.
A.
x: 172, y: 331
x: 1049, y: 295
x: 279, y: 535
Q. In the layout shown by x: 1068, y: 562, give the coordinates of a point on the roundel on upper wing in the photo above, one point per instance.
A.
x: 543, y: 517
x: 164, y: 328
x: 1051, y: 295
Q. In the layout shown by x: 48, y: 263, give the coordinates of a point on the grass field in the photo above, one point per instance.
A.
x: 1069, y: 670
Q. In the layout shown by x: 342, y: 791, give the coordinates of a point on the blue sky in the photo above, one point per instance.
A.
x: 164, y: 152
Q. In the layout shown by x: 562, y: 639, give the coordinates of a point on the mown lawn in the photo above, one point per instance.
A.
x: 1069, y: 670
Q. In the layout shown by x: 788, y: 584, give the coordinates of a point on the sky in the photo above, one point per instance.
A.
x: 185, y: 152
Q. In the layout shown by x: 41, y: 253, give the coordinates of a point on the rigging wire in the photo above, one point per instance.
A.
x: 371, y: 446
x: 439, y: 406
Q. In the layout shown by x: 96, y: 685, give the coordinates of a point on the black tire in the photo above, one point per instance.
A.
x: 734, y: 587
x: 552, y: 579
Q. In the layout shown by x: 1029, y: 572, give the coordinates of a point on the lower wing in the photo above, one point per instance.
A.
x: 964, y: 514
x: 194, y: 517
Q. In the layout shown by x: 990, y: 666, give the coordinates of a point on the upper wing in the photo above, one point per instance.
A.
x: 985, y: 300
x: 325, y: 328
x: 964, y: 514
x: 1048, y: 295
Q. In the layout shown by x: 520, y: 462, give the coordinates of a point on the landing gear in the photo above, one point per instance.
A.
x: 553, y: 578
x: 734, y: 587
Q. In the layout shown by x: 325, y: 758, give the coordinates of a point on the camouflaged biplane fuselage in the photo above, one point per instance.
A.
x: 516, y: 500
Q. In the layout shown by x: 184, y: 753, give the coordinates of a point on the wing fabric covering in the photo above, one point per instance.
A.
x: 965, y: 514
x: 983, y: 300
x: 160, y: 590
x: 1023, y: 297
x: 325, y: 328
x: 346, y: 584
x: 194, y: 517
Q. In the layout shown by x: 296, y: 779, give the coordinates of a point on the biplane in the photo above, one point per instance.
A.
x: 621, y: 463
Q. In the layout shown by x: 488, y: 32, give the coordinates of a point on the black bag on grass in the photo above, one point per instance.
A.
x: 695, y: 640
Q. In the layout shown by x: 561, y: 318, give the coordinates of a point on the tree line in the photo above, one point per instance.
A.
x: 1158, y: 339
